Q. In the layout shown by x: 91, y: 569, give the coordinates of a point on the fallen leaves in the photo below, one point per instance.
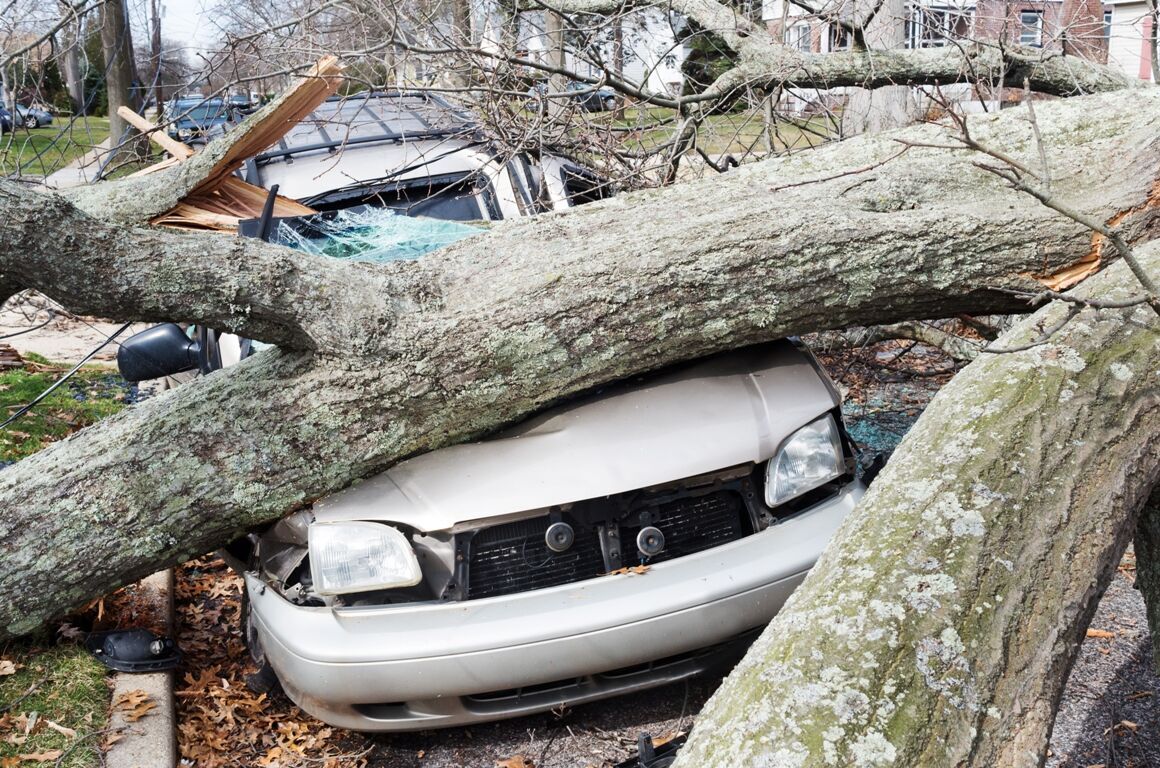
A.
x: 1101, y: 634
x: 637, y: 569
x: 134, y: 705
x: 49, y: 756
x: 221, y: 722
x: 7, y: 667
x: 516, y: 761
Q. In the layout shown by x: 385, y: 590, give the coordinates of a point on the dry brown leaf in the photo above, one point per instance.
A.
x: 63, y: 730
x: 637, y: 569
x: 7, y: 668
x: 1129, y: 725
x: 43, y: 757
x: 517, y: 761
x: 134, y: 705
x: 1102, y: 634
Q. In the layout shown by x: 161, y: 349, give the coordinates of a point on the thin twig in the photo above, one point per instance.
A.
x: 1045, y: 335
x: 1038, y: 137
x: 852, y: 172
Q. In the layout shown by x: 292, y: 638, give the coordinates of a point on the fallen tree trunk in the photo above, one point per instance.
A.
x: 939, y: 626
x: 381, y: 362
x: 1147, y: 545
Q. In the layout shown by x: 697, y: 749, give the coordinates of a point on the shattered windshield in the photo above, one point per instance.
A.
x: 370, y: 234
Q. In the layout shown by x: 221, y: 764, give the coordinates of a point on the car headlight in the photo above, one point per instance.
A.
x: 357, y: 557
x: 810, y: 457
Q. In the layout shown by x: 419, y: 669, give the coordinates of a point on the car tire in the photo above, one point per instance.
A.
x: 610, y: 104
x: 31, y: 123
x: 263, y: 679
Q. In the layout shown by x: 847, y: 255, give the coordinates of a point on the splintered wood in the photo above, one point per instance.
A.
x: 221, y: 199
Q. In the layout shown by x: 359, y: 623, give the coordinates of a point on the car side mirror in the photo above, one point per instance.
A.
x: 162, y: 350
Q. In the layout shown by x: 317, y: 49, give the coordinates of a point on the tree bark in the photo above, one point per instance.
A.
x: 382, y: 362
x: 940, y: 624
x: 117, y: 43
x: 1147, y: 547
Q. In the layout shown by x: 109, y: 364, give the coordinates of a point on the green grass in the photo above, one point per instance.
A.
x: 737, y: 133
x: 63, y: 684
x: 45, y: 150
x: 39, y: 681
x: 86, y: 398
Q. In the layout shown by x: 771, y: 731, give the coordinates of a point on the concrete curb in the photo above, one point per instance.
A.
x: 151, y: 741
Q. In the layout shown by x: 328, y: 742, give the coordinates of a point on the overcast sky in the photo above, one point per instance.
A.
x: 186, y: 21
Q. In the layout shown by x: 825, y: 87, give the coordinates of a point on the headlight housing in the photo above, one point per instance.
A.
x: 811, y: 457
x: 359, y: 556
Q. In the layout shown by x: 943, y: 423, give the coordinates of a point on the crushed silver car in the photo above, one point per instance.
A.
x: 614, y: 543
x: 415, y: 152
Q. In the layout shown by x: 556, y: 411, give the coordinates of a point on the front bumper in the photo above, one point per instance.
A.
x: 427, y: 665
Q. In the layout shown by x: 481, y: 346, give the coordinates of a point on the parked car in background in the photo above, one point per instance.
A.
x: 190, y: 120
x: 588, y: 97
x: 7, y: 122
x: 415, y: 152
x: 637, y: 536
x: 32, y: 118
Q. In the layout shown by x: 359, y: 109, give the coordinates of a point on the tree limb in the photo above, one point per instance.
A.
x: 939, y: 625
x: 492, y: 328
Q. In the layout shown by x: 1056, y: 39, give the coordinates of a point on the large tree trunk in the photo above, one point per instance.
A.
x: 1148, y: 568
x: 117, y: 43
x: 381, y: 362
x: 940, y: 624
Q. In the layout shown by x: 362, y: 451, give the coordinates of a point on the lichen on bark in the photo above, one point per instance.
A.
x: 938, y: 627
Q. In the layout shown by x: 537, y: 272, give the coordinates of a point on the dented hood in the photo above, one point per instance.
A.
x: 723, y: 411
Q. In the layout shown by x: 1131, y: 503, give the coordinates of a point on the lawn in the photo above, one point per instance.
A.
x: 42, y: 151
x: 54, y: 701
x: 55, y: 705
x: 739, y: 133
x: 86, y: 398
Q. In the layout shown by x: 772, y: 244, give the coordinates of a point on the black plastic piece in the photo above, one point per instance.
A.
x: 649, y: 756
x: 134, y: 650
x: 872, y: 468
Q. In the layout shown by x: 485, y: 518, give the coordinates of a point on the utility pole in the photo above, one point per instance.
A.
x: 157, y: 9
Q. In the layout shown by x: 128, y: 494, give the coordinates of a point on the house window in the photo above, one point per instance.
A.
x: 1107, y: 25
x: 1031, y: 28
x: 935, y: 26
x: 839, y: 38
x: 798, y: 37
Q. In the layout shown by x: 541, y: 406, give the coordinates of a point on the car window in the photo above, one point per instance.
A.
x: 583, y: 186
x: 454, y: 197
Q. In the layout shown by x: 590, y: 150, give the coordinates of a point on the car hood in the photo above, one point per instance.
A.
x: 724, y: 411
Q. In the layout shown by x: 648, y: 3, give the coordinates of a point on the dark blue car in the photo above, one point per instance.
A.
x: 190, y: 120
x: 6, y: 122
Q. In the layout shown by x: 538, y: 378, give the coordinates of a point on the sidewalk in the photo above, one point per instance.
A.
x: 81, y: 171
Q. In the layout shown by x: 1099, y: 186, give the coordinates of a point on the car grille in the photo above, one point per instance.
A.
x: 513, y: 557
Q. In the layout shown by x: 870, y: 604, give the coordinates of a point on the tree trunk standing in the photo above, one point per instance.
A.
x: 69, y: 59
x: 117, y: 43
x: 158, y: 87
x: 1148, y: 568
x: 618, y: 61
x: 881, y: 109
x: 557, y: 58
x: 406, y: 357
x: 940, y: 624
x: 1153, y: 54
